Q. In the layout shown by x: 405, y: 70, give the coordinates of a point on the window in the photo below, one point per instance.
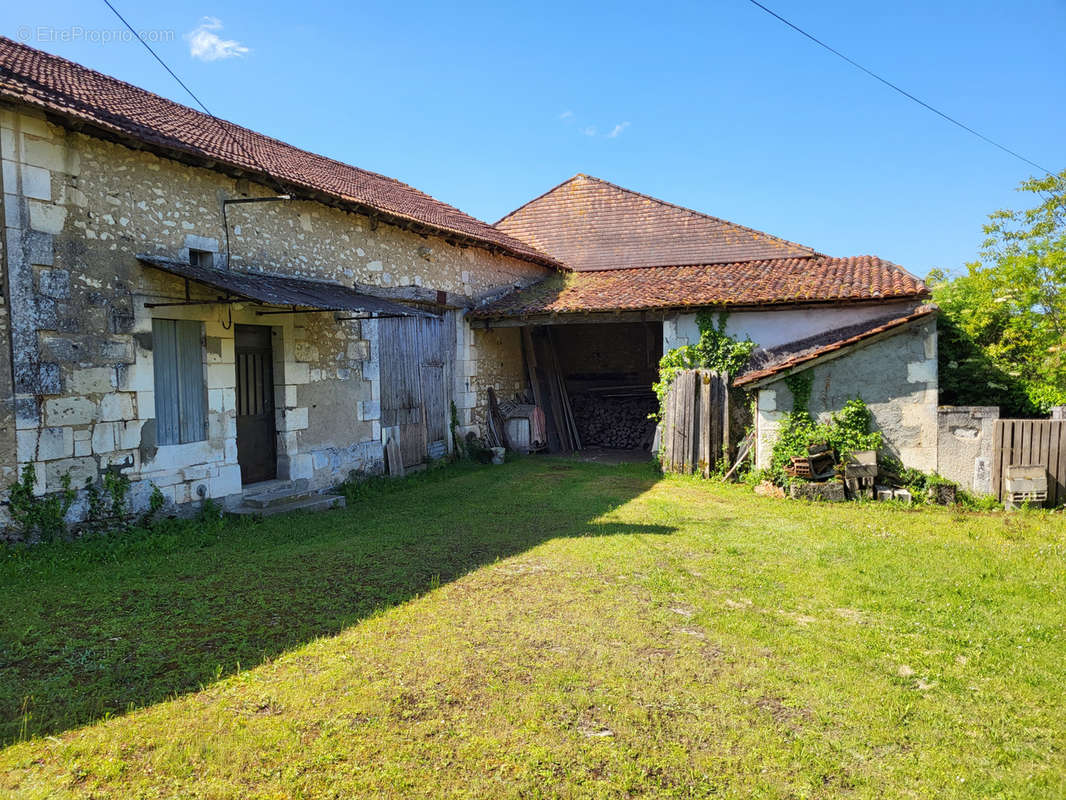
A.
x: 180, y: 391
x: 201, y: 258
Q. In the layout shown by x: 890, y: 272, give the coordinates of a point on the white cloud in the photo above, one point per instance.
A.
x: 590, y: 130
x: 617, y: 130
x: 567, y: 115
x: 207, y: 45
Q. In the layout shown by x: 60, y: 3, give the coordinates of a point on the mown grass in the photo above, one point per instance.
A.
x: 546, y: 629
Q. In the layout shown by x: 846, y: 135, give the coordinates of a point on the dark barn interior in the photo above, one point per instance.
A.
x: 594, y: 381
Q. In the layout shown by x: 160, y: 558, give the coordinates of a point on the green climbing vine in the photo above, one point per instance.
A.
x: 847, y: 431
x: 715, y: 350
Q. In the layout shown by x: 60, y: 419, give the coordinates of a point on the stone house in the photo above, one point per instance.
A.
x: 168, y: 316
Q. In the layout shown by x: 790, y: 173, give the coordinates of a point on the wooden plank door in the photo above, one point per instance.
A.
x: 256, y: 428
x: 434, y: 410
x: 413, y: 380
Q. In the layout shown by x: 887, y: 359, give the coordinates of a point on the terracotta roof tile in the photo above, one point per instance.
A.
x: 751, y: 283
x: 590, y: 224
x: 118, y: 108
x: 767, y: 363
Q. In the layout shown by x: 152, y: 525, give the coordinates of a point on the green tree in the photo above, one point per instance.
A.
x: 1003, y: 323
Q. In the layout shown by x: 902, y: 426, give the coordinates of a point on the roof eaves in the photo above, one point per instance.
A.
x: 761, y: 377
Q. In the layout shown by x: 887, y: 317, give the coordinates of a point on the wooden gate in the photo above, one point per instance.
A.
x: 415, y: 370
x: 694, y: 431
x: 1031, y: 442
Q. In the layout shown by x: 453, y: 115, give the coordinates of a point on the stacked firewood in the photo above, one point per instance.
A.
x: 616, y: 422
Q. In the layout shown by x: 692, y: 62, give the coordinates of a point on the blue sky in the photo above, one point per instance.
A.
x: 713, y: 105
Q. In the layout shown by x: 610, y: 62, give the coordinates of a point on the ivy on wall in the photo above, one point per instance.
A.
x: 715, y: 350
x: 847, y: 431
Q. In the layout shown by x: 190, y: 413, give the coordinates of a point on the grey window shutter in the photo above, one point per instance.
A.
x: 191, y: 387
x: 165, y: 359
x: 180, y: 401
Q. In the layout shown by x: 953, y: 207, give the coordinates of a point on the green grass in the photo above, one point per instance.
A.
x: 544, y: 629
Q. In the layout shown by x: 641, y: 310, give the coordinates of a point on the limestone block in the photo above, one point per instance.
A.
x: 80, y: 470
x: 117, y: 349
x: 371, y: 371
x: 288, y: 442
x: 46, y: 444
x: 375, y: 266
x: 40, y: 250
x: 94, y: 380
x: 103, y: 437
x: 54, y: 283
x: 227, y: 482
x: 36, y: 182
x: 285, y: 396
x: 69, y: 411
x: 145, y: 405
x: 10, y: 176
x: 305, y: 351
x: 83, y: 447
x: 215, y: 401
x: 128, y: 434
x: 297, y: 373
x: 47, y: 217
x: 291, y: 419
x: 136, y: 377
x: 27, y: 413
x: 61, y: 348
x: 221, y: 376
x: 50, y: 155
x: 369, y: 410
x: 14, y: 211
x: 229, y: 451
x: 300, y: 466
x: 117, y: 406
x: 359, y: 350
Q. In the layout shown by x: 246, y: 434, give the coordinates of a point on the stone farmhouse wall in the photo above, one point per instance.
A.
x: 896, y: 377
x: 77, y: 210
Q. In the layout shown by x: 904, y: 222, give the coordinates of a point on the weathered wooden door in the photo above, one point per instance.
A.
x: 413, y: 381
x: 256, y: 431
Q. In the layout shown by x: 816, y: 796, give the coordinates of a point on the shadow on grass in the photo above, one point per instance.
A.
x: 98, y: 627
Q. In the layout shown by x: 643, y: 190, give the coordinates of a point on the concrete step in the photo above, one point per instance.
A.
x: 278, y: 497
x: 314, y: 502
x: 269, y: 487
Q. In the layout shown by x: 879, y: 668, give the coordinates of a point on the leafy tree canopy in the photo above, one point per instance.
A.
x: 1003, y: 323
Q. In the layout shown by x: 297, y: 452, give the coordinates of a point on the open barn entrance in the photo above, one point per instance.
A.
x: 595, y: 384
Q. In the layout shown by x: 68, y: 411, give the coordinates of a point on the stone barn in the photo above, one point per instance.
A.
x: 208, y: 310
x: 643, y: 272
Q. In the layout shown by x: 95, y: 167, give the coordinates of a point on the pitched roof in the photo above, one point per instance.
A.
x: 751, y: 283
x: 124, y: 111
x: 774, y: 361
x: 590, y: 224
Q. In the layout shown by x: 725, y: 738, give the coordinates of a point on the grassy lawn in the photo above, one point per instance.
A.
x: 544, y: 629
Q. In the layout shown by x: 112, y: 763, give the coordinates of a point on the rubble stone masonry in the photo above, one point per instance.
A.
x: 76, y: 337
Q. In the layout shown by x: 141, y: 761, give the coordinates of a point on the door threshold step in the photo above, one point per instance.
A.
x: 277, y: 497
x: 316, y: 502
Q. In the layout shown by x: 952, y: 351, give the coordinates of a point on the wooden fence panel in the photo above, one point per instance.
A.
x: 694, y: 425
x: 1024, y: 442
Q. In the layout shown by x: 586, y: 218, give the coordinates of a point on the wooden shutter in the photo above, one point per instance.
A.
x: 180, y: 395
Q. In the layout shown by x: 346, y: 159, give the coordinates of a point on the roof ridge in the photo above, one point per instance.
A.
x: 540, y: 196
x: 31, y: 87
x: 688, y: 210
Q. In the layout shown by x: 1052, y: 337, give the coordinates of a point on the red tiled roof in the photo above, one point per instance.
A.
x: 120, y: 109
x: 590, y: 224
x: 751, y: 283
x: 806, y: 351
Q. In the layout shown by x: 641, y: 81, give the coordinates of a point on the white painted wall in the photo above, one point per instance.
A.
x: 778, y: 326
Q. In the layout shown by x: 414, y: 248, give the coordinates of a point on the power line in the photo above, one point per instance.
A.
x: 199, y: 102
x: 893, y: 86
